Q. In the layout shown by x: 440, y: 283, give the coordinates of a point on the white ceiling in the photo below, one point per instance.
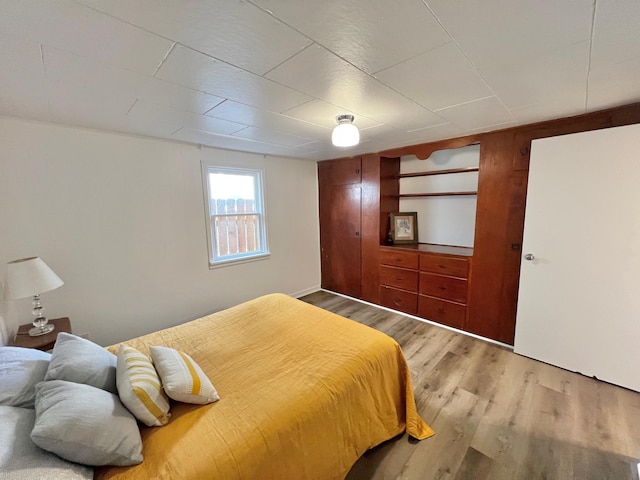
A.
x: 270, y: 76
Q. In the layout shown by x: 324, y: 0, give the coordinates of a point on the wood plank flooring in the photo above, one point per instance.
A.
x: 497, y: 415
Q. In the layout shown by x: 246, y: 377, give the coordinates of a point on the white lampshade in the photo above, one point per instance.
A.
x: 27, y: 277
x: 345, y: 134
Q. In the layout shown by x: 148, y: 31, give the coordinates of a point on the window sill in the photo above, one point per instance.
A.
x: 236, y: 261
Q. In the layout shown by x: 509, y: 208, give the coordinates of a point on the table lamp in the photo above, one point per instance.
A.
x: 29, y: 277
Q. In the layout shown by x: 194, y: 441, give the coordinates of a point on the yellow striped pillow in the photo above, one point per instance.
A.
x: 139, y: 387
x: 182, y: 378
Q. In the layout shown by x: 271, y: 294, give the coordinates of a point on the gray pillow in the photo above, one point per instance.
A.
x: 79, y: 360
x: 20, y: 458
x: 20, y: 370
x: 86, y: 425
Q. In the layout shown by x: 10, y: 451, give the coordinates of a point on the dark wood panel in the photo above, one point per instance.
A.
x: 442, y: 311
x: 449, y: 288
x: 341, y: 241
x: 346, y: 171
x: 399, y: 278
x: 494, y: 259
x: 370, y: 226
x: 398, y: 258
x: 389, y: 191
x: 398, y: 299
x: 454, y: 267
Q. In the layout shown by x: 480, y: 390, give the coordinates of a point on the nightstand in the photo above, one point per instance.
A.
x: 42, y: 342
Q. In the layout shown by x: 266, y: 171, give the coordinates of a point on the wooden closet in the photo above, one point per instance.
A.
x: 357, y: 194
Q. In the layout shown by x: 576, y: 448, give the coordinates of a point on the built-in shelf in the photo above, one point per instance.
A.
x: 439, y: 172
x: 436, y: 194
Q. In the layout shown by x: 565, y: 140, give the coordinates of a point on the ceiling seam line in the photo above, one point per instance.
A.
x: 166, y: 55
x: 311, y: 42
x: 593, y: 27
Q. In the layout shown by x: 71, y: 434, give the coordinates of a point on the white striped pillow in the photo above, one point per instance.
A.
x: 139, y: 387
x: 182, y: 378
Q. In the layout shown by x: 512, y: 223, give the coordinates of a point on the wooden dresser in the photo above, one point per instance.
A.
x: 429, y: 281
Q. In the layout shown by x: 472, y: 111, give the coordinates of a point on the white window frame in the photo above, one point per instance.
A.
x: 260, y: 207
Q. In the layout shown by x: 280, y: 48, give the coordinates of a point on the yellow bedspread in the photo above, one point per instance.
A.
x: 304, y: 393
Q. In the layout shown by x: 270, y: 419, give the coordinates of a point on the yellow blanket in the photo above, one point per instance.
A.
x: 304, y: 393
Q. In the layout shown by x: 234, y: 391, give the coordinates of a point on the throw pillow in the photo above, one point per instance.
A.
x: 79, y: 360
x: 20, y: 370
x: 182, y: 378
x: 85, y: 425
x: 139, y: 387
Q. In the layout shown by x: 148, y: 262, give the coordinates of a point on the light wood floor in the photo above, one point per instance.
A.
x: 497, y: 415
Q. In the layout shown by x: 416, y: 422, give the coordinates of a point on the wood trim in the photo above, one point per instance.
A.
x: 425, y: 150
x: 436, y: 194
x: 439, y: 172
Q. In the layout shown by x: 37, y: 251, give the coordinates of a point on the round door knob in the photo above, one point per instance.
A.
x: 529, y: 256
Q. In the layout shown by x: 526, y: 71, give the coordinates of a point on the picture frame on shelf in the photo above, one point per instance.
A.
x: 404, y: 227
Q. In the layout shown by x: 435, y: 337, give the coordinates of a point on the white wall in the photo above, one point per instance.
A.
x: 121, y: 220
x: 448, y: 220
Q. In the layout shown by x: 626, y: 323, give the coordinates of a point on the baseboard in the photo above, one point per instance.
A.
x: 469, y: 334
x: 306, y: 291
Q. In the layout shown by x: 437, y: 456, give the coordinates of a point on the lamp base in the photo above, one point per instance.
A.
x: 37, y: 331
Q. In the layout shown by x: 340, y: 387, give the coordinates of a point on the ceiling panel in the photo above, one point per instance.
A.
x: 73, y: 105
x: 439, y: 78
x: 370, y: 34
x: 321, y: 74
x: 171, y: 119
x: 498, y: 32
x: 478, y: 115
x: 68, y: 26
x: 522, y: 83
x: 236, y: 143
x: 268, y: 136
x: 541, y: 111
x: 317, y: 112
x: 275, y: 122
x: 263, y: 75
x: 22, y: 82
x: 233, y: 30
x: 608, y: 86
x: 616, y: 33
x: 189, y: 68
x: 76, y: 70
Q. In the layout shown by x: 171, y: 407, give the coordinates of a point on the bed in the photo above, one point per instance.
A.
x: 304, y: 393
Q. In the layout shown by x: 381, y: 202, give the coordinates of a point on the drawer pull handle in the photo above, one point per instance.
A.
x: 442, y: 287
x: 442, y: 266
x: 441, y: 311
x: 398, y: 278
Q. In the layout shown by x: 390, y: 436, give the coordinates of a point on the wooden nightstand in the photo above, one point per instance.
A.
x: 43, y: 342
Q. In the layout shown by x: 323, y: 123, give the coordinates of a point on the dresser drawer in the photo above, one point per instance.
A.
x: 399, y: 278
x: 398, y: 299
x: 449, y: 288
x: 442, y: 311
x: 399, y: 258
x: 454, y: 267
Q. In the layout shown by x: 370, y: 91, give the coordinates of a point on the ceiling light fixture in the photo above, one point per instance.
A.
x: 345, y: 134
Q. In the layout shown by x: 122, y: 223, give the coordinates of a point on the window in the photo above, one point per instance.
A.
x: 236, y: 217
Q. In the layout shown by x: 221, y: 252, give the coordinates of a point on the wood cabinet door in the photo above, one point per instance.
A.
x: 340, y: 240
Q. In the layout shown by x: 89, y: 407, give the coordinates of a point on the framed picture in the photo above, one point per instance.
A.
x: 404, y: 227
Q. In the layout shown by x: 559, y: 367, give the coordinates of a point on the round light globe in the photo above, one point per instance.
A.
x: 345, y: 134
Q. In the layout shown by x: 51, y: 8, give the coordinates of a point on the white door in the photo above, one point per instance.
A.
x: 579, y: 298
